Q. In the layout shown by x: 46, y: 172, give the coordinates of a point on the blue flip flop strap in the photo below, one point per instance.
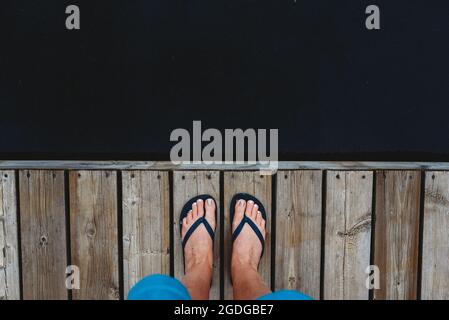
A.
x: 194, y: 226
x: 253, y: 226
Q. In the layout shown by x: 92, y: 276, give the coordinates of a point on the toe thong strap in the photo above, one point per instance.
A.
x: 253, y: 226
x: 194, y: 226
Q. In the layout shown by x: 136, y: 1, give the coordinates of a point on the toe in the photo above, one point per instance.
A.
x: 259, y: 218
x: 200, y: 207
x: 210, y: 210
x: 261, y: 223
x: 210, y: 205
x: 189, y: 217
x: 239, y: 211
x: 184, y: 227
x: 254, y: 211
x: 194, y: 210
x: 249, y: 208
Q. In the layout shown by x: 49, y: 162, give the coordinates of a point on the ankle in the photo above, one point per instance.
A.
x: 198, y: 284
x: 242, y: 267
x: 200, y: 266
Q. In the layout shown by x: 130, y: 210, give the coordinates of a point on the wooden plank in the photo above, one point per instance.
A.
x: 168, y: 165
x: 9, y: 248
x: 94, y: 240
x: 435, y: 254
x: 146, y: 221
x: 397, y: 233
x: 298, y: 231
x: 186, y: 185
x: 43, y: 234
x: 347, y: 234
x: 259, y: 186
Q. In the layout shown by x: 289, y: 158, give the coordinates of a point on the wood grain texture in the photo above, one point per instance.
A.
x: 347, y: 234
x: 298, y: 231
x: 9, y: 248
x: 146, y: 220
x: 260, y: 187
x: 168, y: 165
x: 435, y: 254
x: 186, y: 185
x: 43, y: 234
x: 397, y: 233
x: 94, y: 239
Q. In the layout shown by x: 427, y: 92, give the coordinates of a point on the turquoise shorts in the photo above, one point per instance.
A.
x: 162, y: 287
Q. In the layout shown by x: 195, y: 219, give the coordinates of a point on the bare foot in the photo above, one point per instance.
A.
x: 247, y: 248
x: 198, y: 251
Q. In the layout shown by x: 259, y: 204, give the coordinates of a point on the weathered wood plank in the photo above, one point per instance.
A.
x: 435, y: 254
x: 259, y: 186
x: 9, y: 248
x: 94, y: 239
x: 397, y: 233
x: 348, y: 234
x: 186, y: 185
x: 43, y: 234
x: 146, y: 217
x: 298, y: 231
x: 168, y: 165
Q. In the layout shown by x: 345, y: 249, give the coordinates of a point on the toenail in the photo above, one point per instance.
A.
x: 200, y: 200
x: 209, y: 201
x: 242, y: 202
x: 256, y: 206
x: 250, y: 201
x: 194, y: 204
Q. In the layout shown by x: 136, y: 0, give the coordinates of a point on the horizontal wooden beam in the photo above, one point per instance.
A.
x: 167, y: 165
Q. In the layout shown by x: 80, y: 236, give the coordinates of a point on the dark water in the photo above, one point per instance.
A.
x: 139, y: 69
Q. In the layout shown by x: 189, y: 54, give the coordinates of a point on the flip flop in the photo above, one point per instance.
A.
x: 185, y: 210
x: 247, y: 197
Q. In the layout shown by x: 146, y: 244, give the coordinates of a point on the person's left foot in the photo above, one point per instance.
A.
x: 198, y: 251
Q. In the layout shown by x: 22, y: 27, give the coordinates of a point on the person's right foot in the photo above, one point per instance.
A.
x: 247, y: 248
x: 198, y: 251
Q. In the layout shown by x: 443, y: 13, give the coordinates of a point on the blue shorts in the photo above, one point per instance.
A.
x: 162, y: 287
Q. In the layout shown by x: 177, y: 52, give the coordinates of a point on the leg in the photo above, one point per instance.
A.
x: 247, y: 283
x: 198, y: 251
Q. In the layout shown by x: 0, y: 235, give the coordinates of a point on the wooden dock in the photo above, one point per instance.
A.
x: 327, y: 226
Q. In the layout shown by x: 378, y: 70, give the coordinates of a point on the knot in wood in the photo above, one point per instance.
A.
x: 91, y: 230
x: 43, y: 240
